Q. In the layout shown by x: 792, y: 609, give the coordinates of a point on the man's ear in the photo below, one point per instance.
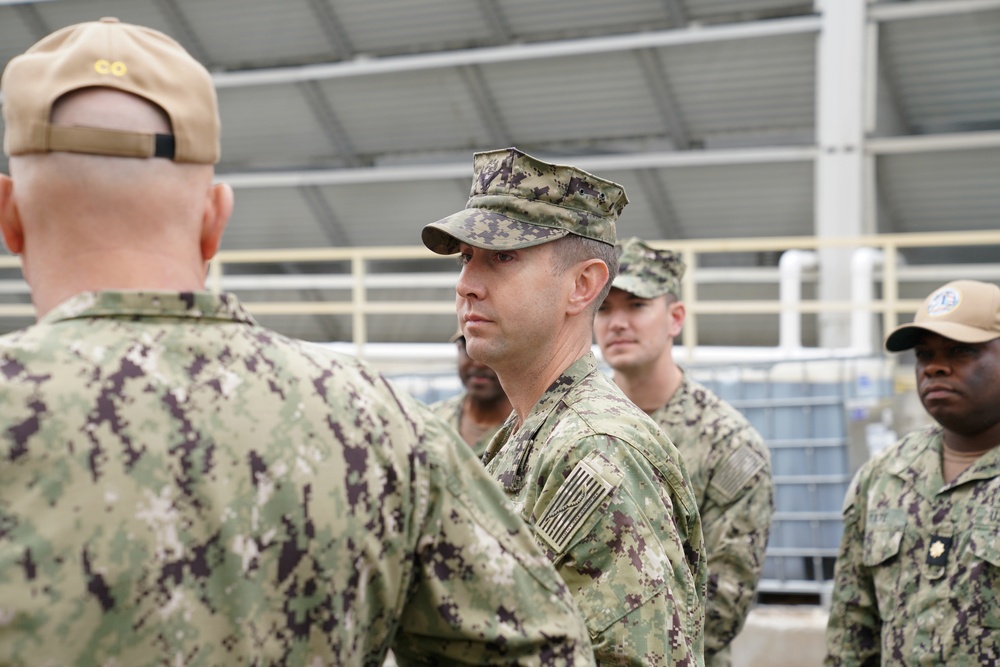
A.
x: 677, y: 315
x: 218, y: 208
x: 10, y: 218
x: 591, y: 277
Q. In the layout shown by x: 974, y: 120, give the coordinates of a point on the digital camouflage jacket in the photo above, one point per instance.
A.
x: 918, y: 577
x: 182, y: 486
x: 730, y: 471
x: 611, y: 504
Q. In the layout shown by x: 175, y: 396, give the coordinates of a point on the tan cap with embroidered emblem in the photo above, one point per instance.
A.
x: 110, y: 54
x: 964, y: 310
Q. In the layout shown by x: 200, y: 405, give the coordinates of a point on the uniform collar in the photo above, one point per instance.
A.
x: 522, y: 441
x: 112, y: 303
x: 920, y: 464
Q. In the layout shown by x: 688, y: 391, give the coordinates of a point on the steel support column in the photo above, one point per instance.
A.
x: 840, y: 159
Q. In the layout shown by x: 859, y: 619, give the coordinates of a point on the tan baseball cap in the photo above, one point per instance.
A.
x: 518, y: 201
x: 647, y: 272
x: 110, y: 54
x: 964, y: 310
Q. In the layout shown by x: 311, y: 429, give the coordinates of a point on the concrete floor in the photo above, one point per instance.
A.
x: 780, y: 636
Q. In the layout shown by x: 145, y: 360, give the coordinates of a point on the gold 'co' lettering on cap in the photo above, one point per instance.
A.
x: 116, y: 68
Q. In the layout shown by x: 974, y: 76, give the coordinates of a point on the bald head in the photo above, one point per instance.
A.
x: 112, y: 186
x: 142, y: 218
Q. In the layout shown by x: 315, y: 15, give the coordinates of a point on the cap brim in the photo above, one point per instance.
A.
x: 908, y: 335
x: 485, y: 229
x: 637, y: 287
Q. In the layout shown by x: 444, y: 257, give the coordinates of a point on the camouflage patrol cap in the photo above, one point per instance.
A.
x: 646, y: 272
x: 964, y: 310
x: 518, y: 201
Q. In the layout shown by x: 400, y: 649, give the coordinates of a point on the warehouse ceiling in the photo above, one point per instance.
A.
x: 353, y: 122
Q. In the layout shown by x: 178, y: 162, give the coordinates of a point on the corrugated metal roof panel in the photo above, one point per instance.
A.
x: 564, y: 18
x: 583, y: 99
x: 269, y: 218
x: 141, y: 12
x: 399, y: 113
x: 746, y: 9
x: 237, y: 34
x: 946, y: 70
x: 16, y: 34
x: 394, y: 213
x: 745, y: 85
x: 951, y: 190
x: 270, y: 127
x: 404, y: 26
x: 749, y: 200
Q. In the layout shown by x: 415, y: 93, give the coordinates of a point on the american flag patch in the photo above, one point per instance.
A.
x: 734, y: 473
x: 575, y: 500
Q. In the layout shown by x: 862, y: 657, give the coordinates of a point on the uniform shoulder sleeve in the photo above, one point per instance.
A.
x: 482, y: 585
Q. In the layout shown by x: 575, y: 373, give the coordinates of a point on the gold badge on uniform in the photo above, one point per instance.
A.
x: 937, y: 552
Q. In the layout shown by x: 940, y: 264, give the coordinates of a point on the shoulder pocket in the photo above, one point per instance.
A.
x: 591, y: 481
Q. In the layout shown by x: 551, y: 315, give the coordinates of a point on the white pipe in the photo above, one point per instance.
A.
x: 791, y: 266
x: 864, y: 261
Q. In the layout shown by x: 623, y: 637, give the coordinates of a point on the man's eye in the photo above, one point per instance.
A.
x: 503, y: 257
x: 464, y: 258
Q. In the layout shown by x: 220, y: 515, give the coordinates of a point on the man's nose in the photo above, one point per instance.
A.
x: 469, y: 285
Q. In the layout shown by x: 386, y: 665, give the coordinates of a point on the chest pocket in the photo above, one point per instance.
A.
x: 881, y: 557
x: 881, y: 544
x: 984, y: 576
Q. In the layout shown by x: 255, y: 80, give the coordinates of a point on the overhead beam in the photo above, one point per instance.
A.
x: 519, y: 52
x: 332, y: 28
x: 33, y: 19
x: 663, y: 97
x: 932, y: 143
x: 676, y: 12
x: 462, y: 171
x: 663, y: 209
x: 334, y: 231
x: 499, y: 28
x: 333, y: 129
x: 921, y: 10
x: 182, y: 30
x: 486, y: 105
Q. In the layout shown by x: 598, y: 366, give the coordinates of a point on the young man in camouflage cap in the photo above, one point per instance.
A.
x: 479, y: 411
x: 728, y: 461
x: 180, y: 485
x: 918, y: 576
x: 600, y: 483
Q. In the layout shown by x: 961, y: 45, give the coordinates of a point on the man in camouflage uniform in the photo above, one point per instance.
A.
x: 182, y: 486
x: 602, y: 486
x: 917, y: 580
x: 478, y: 412
x: 728, y: 461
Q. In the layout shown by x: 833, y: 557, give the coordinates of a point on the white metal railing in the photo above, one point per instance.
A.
x: 359, y: 281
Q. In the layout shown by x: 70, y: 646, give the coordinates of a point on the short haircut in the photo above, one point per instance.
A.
x: 574, y: 249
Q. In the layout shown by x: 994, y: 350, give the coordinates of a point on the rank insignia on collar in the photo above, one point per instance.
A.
x: 937, y: 553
